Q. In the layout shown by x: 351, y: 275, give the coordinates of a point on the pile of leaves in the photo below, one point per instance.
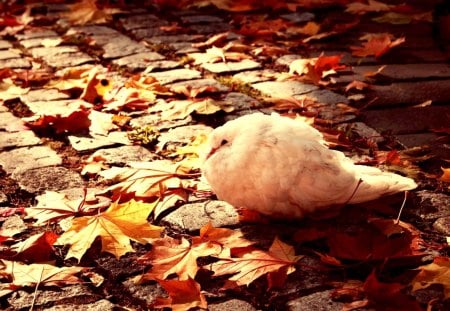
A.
x: 393, y: 262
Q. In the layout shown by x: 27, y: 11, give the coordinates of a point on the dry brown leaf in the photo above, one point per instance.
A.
x: 87, y: 11
x: 437, y: 272
x: 376, y: 45
x: 116, y: 226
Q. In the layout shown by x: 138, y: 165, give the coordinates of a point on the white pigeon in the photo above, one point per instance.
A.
x: 282, y: 167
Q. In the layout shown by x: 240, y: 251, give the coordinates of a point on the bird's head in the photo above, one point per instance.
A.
x: 221, y: 137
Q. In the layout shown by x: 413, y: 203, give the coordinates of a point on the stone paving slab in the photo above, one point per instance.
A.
x: 324, y: 96
x: 139, y: 60
x: 159, y: 65
x: 36, y: 33
x: 125, y: 154
x: 409, y: 93
x: 141, y: 33
x: 81, y: 143
x: 40, y: 95
x: 231, y: 67
x: 15, y: 63
x: 420, y: 119
x: 48, y: 52
x: 200, y: 19
x: 27, y: 158
x: 170, y: 76
x: 199, y: 83
x: 5, y: 45
x: 18, y: 139
x: 50, y: 178
x: 121, y: 46
x: 174, y: 38
x: 408, y: 71
x: 36, y: 42
x: 283, y: 88
x: 10, y: 53
x: 68, y: 59
x: 10, y: 123
x: 101, y: 305
x: 63, y: 107
x: 210, y: 28
x: 141, y: 21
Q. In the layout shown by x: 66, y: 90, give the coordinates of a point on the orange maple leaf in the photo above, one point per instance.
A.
x: 253, y: 263
x: 170, y: 256
x: 376, y: 45
x: 183, y: 295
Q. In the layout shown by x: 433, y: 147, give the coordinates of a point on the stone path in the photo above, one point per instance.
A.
x: 416, y: 72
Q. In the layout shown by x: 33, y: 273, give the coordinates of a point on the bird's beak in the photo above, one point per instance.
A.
x: 210, y: 153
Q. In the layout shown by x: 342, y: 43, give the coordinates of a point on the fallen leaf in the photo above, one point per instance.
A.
x: 445, y: 177
x: 54, y: 206
x: 21, y: 275
x: 355, y: 84
x: 437, y: 272
x: 371, y: 6
x: 376, y: 45
x: 183, y: 295
x: 253, y: 263
x: 145, y: 180
x: 388, y: 296
x: 402, y: 19
x: 75, y: 122
x: 170, y: 256
x: 37, y: 248
x: 183, y: 108
x: 87, y: 11
x: 116, y: 226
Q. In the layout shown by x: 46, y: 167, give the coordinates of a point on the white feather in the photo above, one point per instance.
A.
x: 282, y: 167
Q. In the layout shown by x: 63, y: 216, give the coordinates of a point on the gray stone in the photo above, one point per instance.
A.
x: 443, y: 225
x: 229, y: 67
x: 27, y: 158
x: 122, y: 46
x: 199, y: 83
x: 408, y: 71
x: 347, y: 58
x: 183, y: 134
x: 97, y: 141
x: 68, y: 59
x: 25, y: 300
x: 125, y: 154
x: 92, y: 30
x: 141, y: 21
x: 255, y: 76
x: 325, y: 96
x: 287, y: 59
x: 19, y: 139
x: 430, y: 205
x: 10, y: 123
x: 47, y: 178
x: 193, y: 216
x: 63, y: 107
x: 15, y: 63
x: 139, y: 60
x: 409, y: 93
x: 241, y: 101
x: 408, y: 120
x: 159, y: 65
x: 36, y: 33
x: 183, y: 48
x: 212, y: 28
x: 283, y: 88
x: 142, y: 33
x: 8, y: 54
x: 147, y: 292
x: 5, y: 45
x: 233, y: 304
x: 43, y: 95
x: 101, y: 305
x: 36, y: 42
x: 174, y: 38
x: 417, y: 139
x: 49, y: 52
x: 156, y: 121
x: 165, y: 77
x: 200, y: 19
x: 299, y: 17
x: 320, y: 301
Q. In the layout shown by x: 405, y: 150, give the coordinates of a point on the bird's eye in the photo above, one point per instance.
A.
x: 223, y: 142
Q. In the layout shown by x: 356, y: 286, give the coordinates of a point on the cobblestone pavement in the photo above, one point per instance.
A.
x: 394, y: 110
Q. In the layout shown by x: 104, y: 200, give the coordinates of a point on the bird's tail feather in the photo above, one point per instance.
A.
x: 376, y: 183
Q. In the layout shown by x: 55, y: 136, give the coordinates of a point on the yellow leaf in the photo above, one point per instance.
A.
x: 437, y: 272
x: 87, y: 11
x: 446, y: 175
x: 119, y: 224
